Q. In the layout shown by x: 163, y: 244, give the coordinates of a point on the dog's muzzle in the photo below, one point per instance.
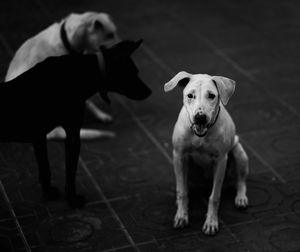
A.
x: 200, y: 125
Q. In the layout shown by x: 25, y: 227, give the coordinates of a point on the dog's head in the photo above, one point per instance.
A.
x: 122, y: 73
x: 90, y: 30
x: 201, y: 97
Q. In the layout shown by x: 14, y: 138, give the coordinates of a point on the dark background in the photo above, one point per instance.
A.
x: 129, y: 180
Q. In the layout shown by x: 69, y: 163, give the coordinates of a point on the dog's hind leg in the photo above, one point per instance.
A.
x: 181, y: 174
x: 242, y: 168
x: 72, y: 149
x: 41, y: 155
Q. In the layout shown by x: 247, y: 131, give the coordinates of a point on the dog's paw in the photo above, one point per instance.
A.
x: 181, y: 220
x: 241, y: 201
x: 76, y: 201
x: 51, y: 193
x: 211, y: 226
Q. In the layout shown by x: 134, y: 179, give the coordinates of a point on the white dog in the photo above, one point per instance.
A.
x: 77, y: 33
x: 205, y: 131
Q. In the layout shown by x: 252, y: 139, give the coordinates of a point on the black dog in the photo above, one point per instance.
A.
x: 59, y: 86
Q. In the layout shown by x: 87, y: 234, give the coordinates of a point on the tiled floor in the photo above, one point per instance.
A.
x: 129, y: 180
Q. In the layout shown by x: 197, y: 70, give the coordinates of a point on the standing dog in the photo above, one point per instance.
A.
x: 76, y: 34
x: 205, y: 131
x: 41, y: 108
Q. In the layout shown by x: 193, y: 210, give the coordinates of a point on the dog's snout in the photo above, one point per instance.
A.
x: 200, y: 119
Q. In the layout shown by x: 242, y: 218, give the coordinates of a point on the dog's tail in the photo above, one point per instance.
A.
x: 85, y: 134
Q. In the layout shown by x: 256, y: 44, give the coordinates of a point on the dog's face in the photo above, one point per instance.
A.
x: 101, y: 32
x: 122, y: 73
x: 91, y: 30
x: 201, y: 100
x: 201, y: 97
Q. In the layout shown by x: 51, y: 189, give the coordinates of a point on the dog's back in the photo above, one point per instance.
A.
x: 34, y: 50
x: 89, y: 30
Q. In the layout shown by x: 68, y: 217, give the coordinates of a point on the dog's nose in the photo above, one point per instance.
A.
x: 200, y: 119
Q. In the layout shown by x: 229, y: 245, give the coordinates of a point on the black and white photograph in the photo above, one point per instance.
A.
x: 149, y: 126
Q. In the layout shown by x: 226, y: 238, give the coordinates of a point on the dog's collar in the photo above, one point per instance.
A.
x: 65, y: 40
x: 216, y: 118
x: 211, y: 124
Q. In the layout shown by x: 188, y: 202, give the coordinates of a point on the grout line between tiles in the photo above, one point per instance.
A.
x: 269, y: 130
x: 109, y: 200
x: 146, y: 131
x: 108, y: 203
x: 13, y: 214
x: 127, y: 246
x: 265, y: 163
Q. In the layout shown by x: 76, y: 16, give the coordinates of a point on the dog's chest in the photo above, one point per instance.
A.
x: 204, y: 152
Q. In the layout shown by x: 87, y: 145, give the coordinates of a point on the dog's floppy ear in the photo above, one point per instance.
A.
x: 225, y: 87
x: 97, y: 25
x: 182, y: 79
x: 101, y: 21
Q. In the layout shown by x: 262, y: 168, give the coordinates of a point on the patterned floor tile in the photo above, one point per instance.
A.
x: 274, y: 79
x: 293, y: 101
x: 263, y: 115
x: 93, y: 228
x: 278, y: 147
x: 271, y: 234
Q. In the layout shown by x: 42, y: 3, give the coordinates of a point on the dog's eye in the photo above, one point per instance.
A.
x: 211, y: 96
x: 190, y: 96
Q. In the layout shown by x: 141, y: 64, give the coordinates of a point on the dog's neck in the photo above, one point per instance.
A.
x: 66, y: 42
x: 215, y: 119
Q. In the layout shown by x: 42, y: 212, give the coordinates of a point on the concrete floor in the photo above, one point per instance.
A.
x: 129, y: 181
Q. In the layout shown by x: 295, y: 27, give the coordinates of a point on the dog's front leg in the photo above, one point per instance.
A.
x: 41, y: 155
x: 72, y: 149
x: 180, y: 168
x: 211, y: 225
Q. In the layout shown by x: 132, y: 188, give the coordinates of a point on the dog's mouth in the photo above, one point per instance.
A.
x: 199, y: 130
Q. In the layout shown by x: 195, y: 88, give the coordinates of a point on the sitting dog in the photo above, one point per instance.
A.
x: 205, y: 132
x: 41, y: 108
x: 75, y: 34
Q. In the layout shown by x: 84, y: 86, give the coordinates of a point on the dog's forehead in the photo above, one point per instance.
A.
x: 200, y: 81
x: 106, y: 20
